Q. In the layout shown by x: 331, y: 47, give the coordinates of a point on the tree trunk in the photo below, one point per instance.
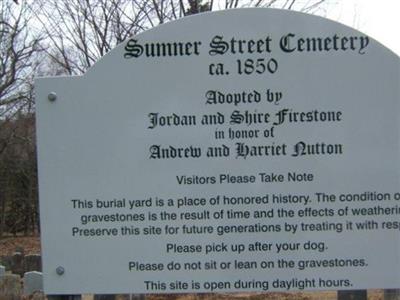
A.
x: 392, y: 294
x: 352, y: 295
x: 2, y: 213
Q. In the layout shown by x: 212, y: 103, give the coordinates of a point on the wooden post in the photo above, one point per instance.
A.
x: 120, y: 297
x: 352, y: 295
x: 137, y: 297
x: 104, y: 297
x: 64, y: 297
x: 393, y: 294
x: 131, y: 297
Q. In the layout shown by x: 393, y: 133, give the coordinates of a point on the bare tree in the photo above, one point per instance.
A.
x: 311, y: 6
x: 18, y: 177
x: 79, y: 32
x: 17, y: 48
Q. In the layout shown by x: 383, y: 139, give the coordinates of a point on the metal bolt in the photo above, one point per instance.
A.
x: 52, y: 96
x: 60, y: 270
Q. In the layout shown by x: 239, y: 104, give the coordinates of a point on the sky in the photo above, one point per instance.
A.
x: 380, y: 19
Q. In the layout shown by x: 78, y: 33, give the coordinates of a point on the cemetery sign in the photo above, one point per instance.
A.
x: 243, y: 150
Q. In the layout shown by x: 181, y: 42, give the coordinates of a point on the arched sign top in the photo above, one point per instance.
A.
x: 243, y: 150
x: 273, y: 32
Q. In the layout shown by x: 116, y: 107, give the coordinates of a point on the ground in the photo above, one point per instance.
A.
x: 30, y: 245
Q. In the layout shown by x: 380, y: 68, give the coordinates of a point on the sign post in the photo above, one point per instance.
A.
x: 244, y: 150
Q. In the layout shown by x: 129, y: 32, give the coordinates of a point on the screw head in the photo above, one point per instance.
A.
x: 60, y: 270
x: 52, y: 96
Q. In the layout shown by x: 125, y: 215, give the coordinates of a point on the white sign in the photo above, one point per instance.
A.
x: 244, y: 150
